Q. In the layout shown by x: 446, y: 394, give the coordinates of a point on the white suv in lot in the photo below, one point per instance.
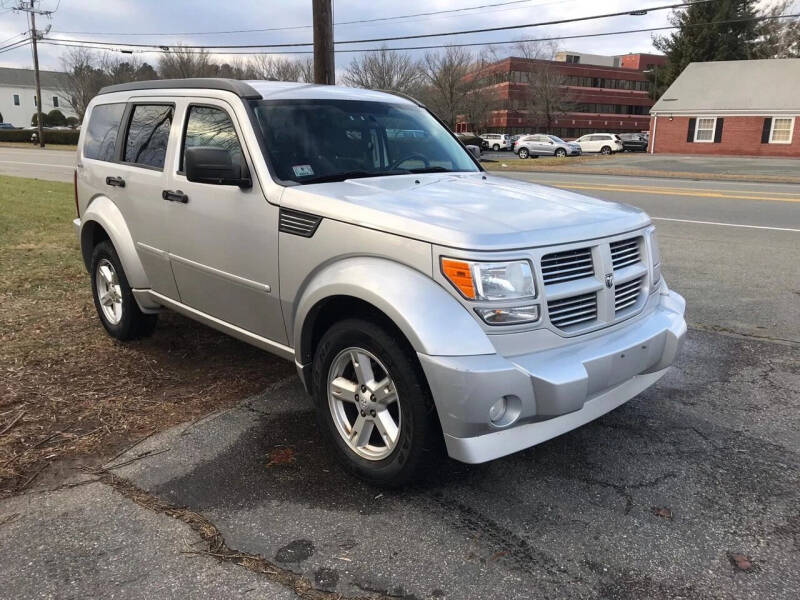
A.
x: 604, y: 143
x: 497, y: 141
x: 421, y: 299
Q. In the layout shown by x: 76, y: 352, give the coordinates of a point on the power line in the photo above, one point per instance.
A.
x: 293, y: 27
x: 15, y: 45
x: 411, y: 37
x: 501, y: 43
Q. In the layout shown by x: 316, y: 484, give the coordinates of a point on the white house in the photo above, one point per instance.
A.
x: 18, y: 95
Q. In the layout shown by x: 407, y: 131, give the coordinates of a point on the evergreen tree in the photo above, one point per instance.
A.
x: 696, y: 41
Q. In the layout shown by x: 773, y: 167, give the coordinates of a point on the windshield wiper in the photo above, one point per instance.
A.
x: 432, y: 170
x: 352, y: 175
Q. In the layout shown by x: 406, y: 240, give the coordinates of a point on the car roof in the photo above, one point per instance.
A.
x: 257, y: 89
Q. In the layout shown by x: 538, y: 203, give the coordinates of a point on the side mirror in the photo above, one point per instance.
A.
x: 213, y: 165
x: 476, y: 152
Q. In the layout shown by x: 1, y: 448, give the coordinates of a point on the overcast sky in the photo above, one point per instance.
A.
x: 159, y: 18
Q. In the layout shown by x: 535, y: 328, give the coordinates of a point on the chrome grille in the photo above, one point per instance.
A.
x: 626, y: 294
x: 625, y: 252
x: 568, y: 312
x: 559, y: 267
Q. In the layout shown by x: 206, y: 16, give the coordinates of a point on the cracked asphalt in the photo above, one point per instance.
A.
x: 661, y: 498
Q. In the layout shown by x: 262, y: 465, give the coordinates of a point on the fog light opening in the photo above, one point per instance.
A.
x: 505, y: 411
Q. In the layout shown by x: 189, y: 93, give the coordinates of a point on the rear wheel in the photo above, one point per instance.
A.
x: 496, y: 147
x: 113, y: 298
x: 523, y: 153
x: 561, y: 153
x: 605, y: 150
x: 373, y: 403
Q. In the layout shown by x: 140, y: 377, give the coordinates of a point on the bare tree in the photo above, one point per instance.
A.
x: 780, y: 38
x: 384, y: 70
x: 546, y: 96
x: 179, y: 62
x: 82, y: 79
x: 446, y: 83
x: 280, y: 68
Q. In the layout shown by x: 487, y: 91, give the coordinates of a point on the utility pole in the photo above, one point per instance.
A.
x: 324, y: 71
x: 31, y: 9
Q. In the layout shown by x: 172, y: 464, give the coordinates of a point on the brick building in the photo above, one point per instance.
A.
x: 600, y: 97
x: 741, y: 107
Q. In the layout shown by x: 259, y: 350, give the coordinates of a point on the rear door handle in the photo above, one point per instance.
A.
x: 176, y: 196
x: 115, y: 181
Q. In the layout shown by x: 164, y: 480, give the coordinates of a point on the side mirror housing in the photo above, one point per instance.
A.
x: 213, y: 165
x: 476, y: 152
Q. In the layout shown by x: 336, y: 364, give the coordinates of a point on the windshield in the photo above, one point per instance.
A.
x: 557, y: 139
x: 313, y: 141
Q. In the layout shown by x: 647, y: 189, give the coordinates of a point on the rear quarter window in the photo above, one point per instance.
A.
x: 101, y: 134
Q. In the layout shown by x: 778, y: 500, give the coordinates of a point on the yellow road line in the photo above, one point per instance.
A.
x: 698, y: 193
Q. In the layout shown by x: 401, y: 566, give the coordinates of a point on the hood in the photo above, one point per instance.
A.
x: 466, y: 210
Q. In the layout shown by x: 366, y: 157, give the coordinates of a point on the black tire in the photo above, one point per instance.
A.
x: 523, y: 153
x: 605, y: 150
x: 420, y: 437
x: 560, y: 153
x: 133, y: 323
x: 496, y: 147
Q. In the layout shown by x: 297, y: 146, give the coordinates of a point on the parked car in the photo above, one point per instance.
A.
x: 604, y: 143
x: 7, y: 126
x: 633, y: 142
x: 545, y: 145
x: 497, y: 141
x: 422, y: 299
x: 470, y: 139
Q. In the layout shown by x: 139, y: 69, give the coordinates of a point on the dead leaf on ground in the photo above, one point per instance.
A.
x: 282, y: 455
x: 663, y: 512
x: 741, y: 561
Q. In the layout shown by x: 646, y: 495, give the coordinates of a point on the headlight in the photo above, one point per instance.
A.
x: 655, y: 258
x: 512, y: 280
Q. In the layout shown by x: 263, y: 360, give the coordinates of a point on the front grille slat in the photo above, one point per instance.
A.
x: 625, y: 252
x: 569, y: 265
x: 571, y: 311
x: 627, y: 294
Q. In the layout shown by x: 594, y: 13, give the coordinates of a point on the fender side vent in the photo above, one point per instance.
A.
x: 298, y: 223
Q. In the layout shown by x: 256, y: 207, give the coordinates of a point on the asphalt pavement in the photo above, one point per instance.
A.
x: 689, y: 490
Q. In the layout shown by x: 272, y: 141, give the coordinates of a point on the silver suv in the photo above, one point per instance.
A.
x: 421, y: 299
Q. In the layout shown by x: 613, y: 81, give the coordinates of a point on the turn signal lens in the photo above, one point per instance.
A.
x: 459, y: 274
x: 511, y: 315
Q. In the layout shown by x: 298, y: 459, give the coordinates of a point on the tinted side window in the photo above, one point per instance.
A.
x: 101, y: 134
x: 208, y: 126
x: 148, y: 135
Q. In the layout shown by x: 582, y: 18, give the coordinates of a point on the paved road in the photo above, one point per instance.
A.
x: 52, y: 165
x: 715, y: 446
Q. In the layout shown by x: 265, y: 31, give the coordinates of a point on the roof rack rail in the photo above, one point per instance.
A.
x: 240, y: 88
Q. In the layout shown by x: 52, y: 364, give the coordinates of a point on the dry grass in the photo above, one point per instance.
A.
x: 605, y: 165
x: 69, y: 394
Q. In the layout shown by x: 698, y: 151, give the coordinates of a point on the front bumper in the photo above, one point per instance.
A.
x: 551, y: 391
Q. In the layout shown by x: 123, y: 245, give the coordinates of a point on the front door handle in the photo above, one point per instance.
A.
x: 175, y: 196
x: 115, y: 181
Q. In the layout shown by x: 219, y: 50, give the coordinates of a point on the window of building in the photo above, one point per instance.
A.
x: 55, y: 101
x: 101, y: 134
x: 209, y: 126
x: 704, y: 129
x: 782, y: 129
x: 16, y: 99
x: 35, y: 101
x: 573, y: 59
x: 148, y: 135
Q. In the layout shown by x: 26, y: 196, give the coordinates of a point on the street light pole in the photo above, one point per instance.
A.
x: 34, y: 35
x: 324, y: 70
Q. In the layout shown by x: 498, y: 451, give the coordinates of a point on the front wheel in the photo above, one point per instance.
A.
x: 113, y: 298
x: 496, y: 147
x: 561, y: 153
x: 523, y: 153
x: 605, y: 150
x: 373, y: 403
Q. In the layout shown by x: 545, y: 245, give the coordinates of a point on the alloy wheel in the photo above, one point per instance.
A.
x: 364, y: 403
x: 109, y: 291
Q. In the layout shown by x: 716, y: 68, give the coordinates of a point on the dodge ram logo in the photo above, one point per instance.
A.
x: 609, y: 280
